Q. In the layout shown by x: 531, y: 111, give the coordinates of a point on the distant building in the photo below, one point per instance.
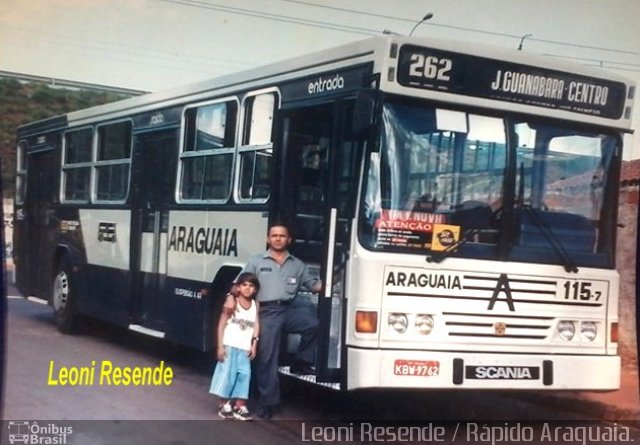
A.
x: 626, y: 256
x: 630, y: 173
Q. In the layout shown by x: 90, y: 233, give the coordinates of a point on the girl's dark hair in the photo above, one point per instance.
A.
x: 248, y: 277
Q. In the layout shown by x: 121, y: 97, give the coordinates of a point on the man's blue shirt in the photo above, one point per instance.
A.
x: 279, y: 281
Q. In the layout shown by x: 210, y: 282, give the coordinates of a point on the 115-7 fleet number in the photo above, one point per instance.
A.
x: 581, y: 290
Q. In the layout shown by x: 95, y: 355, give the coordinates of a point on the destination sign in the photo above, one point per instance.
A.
x: 446, y: 71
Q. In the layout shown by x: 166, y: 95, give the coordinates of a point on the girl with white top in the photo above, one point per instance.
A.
x: 237, y: 346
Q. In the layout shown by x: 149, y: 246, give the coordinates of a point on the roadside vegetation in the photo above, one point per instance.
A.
x: 24, y: 102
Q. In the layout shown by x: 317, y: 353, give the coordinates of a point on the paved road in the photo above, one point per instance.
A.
x: 183, y: 412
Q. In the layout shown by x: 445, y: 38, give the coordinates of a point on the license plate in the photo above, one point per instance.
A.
x: 424, y: 368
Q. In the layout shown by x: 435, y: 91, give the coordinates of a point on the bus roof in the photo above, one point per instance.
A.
x: 377, y: 50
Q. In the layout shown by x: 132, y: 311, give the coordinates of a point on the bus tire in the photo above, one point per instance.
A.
x: 63, y: 296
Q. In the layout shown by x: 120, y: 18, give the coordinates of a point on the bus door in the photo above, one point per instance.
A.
x: 153, y: 190
x: 39, y: 221
x: 317, y: 195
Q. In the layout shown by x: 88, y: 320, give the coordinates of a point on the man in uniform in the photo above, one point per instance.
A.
x: 281, y: 275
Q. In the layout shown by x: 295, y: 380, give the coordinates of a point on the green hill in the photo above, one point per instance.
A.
x: 21, y: 103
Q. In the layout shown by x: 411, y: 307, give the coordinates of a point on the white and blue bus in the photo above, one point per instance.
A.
x: 458, y: 201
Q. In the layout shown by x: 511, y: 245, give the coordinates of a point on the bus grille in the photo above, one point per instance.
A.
x: 500, y: 307
x: 460, y: 324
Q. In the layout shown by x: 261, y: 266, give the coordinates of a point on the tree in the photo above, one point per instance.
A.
x: 21, y: 103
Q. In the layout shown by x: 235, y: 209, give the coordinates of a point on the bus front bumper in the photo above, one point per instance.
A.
x: 369, y: 368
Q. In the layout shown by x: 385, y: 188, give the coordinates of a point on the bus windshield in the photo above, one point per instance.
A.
x: 535, y: 187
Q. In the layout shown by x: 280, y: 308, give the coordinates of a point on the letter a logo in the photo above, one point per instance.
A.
x: 502, y: 286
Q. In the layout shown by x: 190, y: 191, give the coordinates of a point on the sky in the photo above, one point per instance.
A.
x: 157, y: 44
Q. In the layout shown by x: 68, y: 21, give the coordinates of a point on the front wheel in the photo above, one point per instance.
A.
x: 64, y: 303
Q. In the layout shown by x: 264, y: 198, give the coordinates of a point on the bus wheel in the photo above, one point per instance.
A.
x: 64, y: 303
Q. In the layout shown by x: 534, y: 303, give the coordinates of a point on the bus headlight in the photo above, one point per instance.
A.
x: 566, y: 329
x: 398, y: 322
x: 588, y: 331
x: 424, y: 324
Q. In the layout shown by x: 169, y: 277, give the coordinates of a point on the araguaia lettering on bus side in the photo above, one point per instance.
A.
x: 209, y: 240
x: 423, y: 280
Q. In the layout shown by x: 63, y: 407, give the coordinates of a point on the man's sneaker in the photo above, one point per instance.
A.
x: 225, y: 411
x: 242, y: 413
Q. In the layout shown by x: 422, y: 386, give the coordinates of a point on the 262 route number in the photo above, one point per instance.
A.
x: 430, y: 67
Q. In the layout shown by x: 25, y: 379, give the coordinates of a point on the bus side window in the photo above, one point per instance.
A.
x: 256, y: 151
x: 76, y: 165
x: 21, y: 171
x: 208, y: 151
x: 112, y: 166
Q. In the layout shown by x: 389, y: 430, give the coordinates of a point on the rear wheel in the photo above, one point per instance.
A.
x: 64, y: 303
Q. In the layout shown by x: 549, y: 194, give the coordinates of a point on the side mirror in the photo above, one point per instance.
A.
x: 365, y: 111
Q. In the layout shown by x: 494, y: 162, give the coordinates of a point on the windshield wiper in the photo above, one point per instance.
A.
x: 554, y: 241
x: 545, y: 229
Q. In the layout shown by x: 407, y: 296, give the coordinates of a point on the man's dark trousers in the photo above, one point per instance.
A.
x: 295, y: 317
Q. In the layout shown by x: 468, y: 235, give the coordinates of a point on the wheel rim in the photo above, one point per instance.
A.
x: 60, y: 291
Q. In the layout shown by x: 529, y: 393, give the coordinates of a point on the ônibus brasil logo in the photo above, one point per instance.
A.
x: 34, y: 433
